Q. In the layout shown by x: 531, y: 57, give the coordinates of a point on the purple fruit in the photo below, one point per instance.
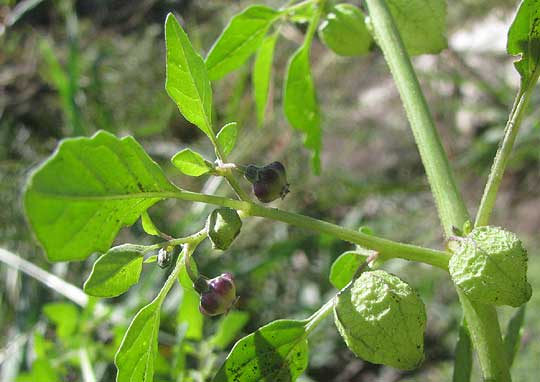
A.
x: 219, y: 297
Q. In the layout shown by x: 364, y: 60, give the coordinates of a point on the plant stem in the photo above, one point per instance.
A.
x: 196, y: 238
x: 87, y: 371
x: 482, y: 320
x: 450, y: 205
x: 229, y: 176
x: 484, y: 329
x: 187, y: 250
x: 503, y: 153
x: 387, y: 249
x: 174, y: 274
x: 291, y: 7
x: 313, y: 24
x: 315, y: 319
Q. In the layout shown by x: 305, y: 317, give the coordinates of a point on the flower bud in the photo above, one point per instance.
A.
x: 223, y: 225
x: 490, y: 267
x: 344, y: 31
x: 269, y: 182
x: 218, y: 296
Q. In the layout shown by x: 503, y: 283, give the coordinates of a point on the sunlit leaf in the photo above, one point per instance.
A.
x: 78, y: 200
x: 115, y: 271
x: 227, y: 137
x: 344, y: 268
x: 137, y: 353
x: 262, y: 73
x: 275, y: 352
x: 240, y: 39
x: 187, y: 80
x: 191, y: 163
x: 188, y: 311
x: 524, y: 38
x: 148, y: 225
x: 421, y: 24
x: 300, y: 103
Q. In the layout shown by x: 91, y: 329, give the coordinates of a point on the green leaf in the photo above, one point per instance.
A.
x: 344, y: 268
x: 227, y: 137
x: 514, y: 331
x: 115, y: 271
x: 421, y: 23
x: 148, y: 225
x: 524, y: 38
x: 344, y: 31
x: 463, y: 355
x: 138, y: 351
x: 65, y: 316
x: 77, y: 201
x: 229, y: 327
x: 189, y: 315
x: 187, y: 81
x: 150, y: 259
x: 240, y: 39
x: 275, y: 352
x: 42, y: 370
x: 262, y: 72
x: 300, y: 103
x: 191, y: 163
x: 188, y: 312
x: 302, y: 13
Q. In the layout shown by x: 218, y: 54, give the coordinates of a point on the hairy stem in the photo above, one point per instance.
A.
x: 503, y: 153
x: 481, y: 319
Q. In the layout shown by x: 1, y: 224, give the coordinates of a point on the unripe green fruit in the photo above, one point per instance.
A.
x: 382, y: 320
x: 223, y: 225
x: 490, y: 267
x: 344, y: 31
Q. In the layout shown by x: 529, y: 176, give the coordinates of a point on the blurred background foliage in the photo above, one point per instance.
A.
x: 69, y: 68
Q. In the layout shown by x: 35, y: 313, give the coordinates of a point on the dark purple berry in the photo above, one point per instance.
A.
x: 220, y: 296
x: 269, y: 182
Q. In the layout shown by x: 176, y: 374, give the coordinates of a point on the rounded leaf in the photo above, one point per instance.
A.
x: 490, y: 266
x: 382, y: 320
x: 344, y: 31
